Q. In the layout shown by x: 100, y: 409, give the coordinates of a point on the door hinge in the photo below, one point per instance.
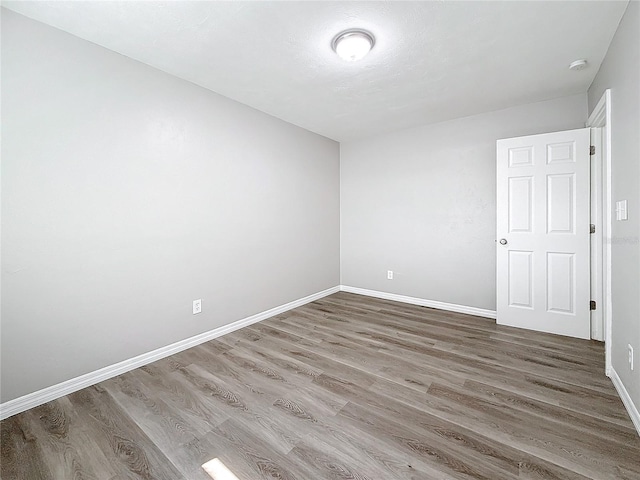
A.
x: 592, y: 305
x: 592, y: 150
x: 592, y: 228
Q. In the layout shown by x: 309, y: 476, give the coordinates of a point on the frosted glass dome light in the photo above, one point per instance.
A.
x: 353, y: 45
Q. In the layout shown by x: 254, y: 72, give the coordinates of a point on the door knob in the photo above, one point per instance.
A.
x: 503, y: 241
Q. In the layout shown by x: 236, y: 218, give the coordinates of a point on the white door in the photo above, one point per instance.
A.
x: 543, y: 278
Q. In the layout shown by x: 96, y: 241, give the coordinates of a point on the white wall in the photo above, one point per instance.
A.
x: 620, y: 72
x: 422, y: 202
x: 127, y: 193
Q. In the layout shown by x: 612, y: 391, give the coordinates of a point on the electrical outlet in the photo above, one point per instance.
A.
x: 630, y: 356
x: 389, y: 275
x: 197, y: 306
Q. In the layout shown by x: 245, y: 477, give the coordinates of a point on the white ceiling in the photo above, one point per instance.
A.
x: 432, y: 61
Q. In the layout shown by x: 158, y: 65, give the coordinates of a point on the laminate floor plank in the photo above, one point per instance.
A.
x: 553, y: 368
x: 346, y: 387
x: 614, y: 432
x: 434, y: 447
x: 22, y: 456
x: 311, y: 412
x: 446, y: 334
x: 419, y: 411
x: 243, y: 446
x: 246, y: 403
x: 68, y: 446
x: 315, y: 360
x: 459, y: 336
x: 119, y: 438
x: 178, y: 395
x: 576, y: 444
x: 163, y: 425
x: 470, y: 368
x: 462, y: 321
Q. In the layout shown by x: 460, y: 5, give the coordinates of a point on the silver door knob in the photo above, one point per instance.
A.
x: 503, y: 241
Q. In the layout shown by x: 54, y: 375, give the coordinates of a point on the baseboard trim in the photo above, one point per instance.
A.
x: 452, y: 307
x: 626, y: 399
x: 20, y: 404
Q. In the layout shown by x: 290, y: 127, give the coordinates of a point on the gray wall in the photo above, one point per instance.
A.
x: 127, y: 193
x: 620, y: 72
x: 422, y: 202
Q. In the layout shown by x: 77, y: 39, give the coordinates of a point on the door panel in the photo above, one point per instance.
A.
x: 561, y: 153
x: 561, y: 210
x: 520, y: 157
x: 543, y: 216
x: 520, y: 204
x: 520, y: 279
x: 561, y: 282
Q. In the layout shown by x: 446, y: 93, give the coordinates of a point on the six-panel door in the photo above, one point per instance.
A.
x: 543, y: 220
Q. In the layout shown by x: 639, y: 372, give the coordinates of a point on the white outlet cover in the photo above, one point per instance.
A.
x: 197, y: 306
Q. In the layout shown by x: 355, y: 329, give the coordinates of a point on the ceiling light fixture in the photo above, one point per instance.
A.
x: 352, y: 45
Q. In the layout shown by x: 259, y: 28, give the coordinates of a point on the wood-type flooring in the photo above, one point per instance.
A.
x: 347, y: 387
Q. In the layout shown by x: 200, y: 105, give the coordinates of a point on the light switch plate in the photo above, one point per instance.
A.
x: 621, y: 210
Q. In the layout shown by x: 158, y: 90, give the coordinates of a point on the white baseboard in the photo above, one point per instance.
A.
x: 626, y: 399
x: 452, y: 307
x: 13, y: 407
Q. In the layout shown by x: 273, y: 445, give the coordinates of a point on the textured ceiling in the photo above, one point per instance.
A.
x: 432, y: 61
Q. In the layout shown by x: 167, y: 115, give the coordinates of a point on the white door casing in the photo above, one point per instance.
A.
x: 596, y: 239
x: 543, y: 275
x: 600, y: 118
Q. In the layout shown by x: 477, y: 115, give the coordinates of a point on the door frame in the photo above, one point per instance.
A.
x: 596, y: 244
x: 601, y: 118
